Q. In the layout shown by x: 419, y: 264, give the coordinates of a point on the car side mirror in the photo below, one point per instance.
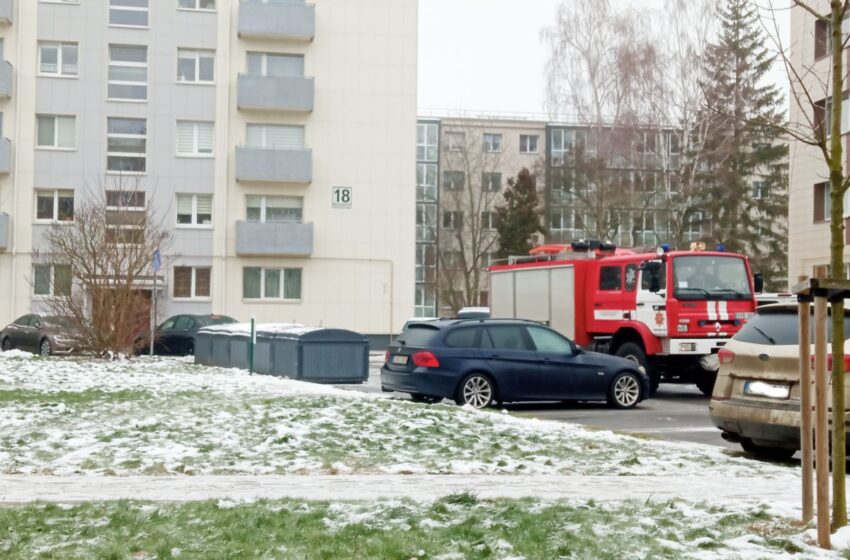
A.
x: 577, y: 349
x: 758, y: 282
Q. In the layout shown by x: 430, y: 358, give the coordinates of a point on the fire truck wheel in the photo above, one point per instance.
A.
x: 634, y: 353
x: 624, y: 391
x: 705, y: 383
x: 476, y: 390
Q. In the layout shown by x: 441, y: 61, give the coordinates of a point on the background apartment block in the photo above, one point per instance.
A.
x: 272, y: 138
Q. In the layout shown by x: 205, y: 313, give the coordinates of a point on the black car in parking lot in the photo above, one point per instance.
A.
x: 176, y: 335
x: 481, y: 361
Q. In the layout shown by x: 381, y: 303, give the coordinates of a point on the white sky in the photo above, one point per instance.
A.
x: 487, y: 56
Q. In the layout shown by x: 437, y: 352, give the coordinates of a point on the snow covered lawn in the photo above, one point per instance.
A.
x: 167, y: 416
x: 455, y: 527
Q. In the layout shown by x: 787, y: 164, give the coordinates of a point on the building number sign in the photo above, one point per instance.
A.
x: 341, y: 197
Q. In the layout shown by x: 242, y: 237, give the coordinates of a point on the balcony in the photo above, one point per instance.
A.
x: 275, y: 93
x: 5, y: 79
x: 4, y: 231
x: 6, y: 11
x: 273, y: 165
x: 294, y: 21
x: 5, y: 156
x: 284, y: 239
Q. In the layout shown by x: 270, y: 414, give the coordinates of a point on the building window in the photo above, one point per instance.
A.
x: 426, y: 182
x: 528, y: 143
x: 427, y: 141
x: 275, y: 209
x: 194, y: 139
x: 128, y: 72
x: 455, y: 141
x: 272, y: 64
x: 194, y: 209
x: 54, y: 205
x: 57, y: 59
x: 823, y: 202
x: 453, y: 219
x: 126, y: 145
x: 488, y: 220
x: 126, y: 216
x: 56, y: 132
x: 426, y: 222
x: 426, y: 263
x: 208, y: 5
x: 492, y: 142
x: 453, y: 180
x: 760, y: 190
x: 195, y: 66
x: 271, y: 283
x: 693, y: 226
x: 491, y: 182
x: 191, y: 282
x: 131, y: 13
x: 51, y: 280
x: 452, y: 260
x: 562, y: 143
x: 275, y: 137
x: 426, y: 302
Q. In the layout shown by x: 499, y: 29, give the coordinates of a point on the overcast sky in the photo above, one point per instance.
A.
x: 487, y: 56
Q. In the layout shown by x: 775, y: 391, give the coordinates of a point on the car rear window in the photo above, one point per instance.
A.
x: 417, y: 335
x: 461, y: 338
x: 781, y: 327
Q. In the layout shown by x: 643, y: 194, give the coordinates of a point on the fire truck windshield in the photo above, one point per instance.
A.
x: 710, y: 277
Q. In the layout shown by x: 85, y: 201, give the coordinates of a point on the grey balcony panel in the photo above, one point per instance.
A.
x: 280, y: 20
x: 6, y: 11
x: 4, y: 231
x: 274, y: 166
x: 5, y: 79
x: 5, y: 155
x: 275, y: 93
x: 274, y: 239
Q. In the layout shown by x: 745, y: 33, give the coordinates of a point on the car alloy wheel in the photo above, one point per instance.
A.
x: 6, y: 345
x: 476, y: 391
x: 625, y: 390
x: 44, y: 348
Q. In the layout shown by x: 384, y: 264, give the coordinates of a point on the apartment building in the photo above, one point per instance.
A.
x: 271, y: 136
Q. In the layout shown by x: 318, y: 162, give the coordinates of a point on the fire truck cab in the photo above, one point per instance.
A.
x: 670, y: 311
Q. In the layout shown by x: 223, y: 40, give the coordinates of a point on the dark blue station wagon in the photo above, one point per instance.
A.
x: 479, y: 362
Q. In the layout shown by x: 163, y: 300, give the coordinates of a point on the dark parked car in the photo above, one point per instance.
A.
x: 41, y: 334
x: 176, y: 335
x: 478, y: 362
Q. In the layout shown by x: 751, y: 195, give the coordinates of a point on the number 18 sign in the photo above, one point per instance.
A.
x: 341, y: 197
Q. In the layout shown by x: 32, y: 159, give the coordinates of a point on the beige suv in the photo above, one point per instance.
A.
x: 756, y: 399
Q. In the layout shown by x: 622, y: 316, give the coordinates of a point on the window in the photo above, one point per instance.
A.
x: 488, y: 220
x: 426, y: 222
x: 131, y: 13
x: 125, y: 216
x: 453, y: 260
x: 462, y: 338
x: 275, y: 137
x: 128, y: 72
x: 491, y: 182
x: 194, y: 139
x: 54, y: 205
x: 453, y: 219
x: 507, y: 337
x: 58, y: 132
x: 426, y: 182
x: 549, y: 341
x: 196, y: 4
x: 194, y: 209
x: 275, y: 209
x: 631, y: 277
x: 453, y: 180
x: 610, y: 278
x: 426, y: 263
x: 455, y: 141
x: 426, y: 141
x: 272, y: 64
x: 191, y: 282
x: 823, y: 37
x: 57, y: 59
x: 492, y: 142
x: 271, y: 283
x: 51, y: 280
x: 561, y: 144
x: 528, y: 143
x: 760, y: 190
x: 126, y: 145
x: 823, y: 202
x: 426, y: 302
x: 195, y: 66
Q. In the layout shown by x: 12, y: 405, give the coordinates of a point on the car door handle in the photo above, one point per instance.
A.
x: 493, y: 356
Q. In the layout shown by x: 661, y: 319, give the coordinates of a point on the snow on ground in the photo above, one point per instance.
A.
x: 168, y: 416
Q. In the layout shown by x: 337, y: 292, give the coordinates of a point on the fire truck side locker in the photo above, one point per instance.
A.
x: 545, y: 294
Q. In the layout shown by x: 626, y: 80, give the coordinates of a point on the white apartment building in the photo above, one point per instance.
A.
x: 277, y: 138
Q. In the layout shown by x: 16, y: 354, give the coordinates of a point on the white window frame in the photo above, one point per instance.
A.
x: 55, y: 218
x: 143, y: 156
x: 282, y: 270
x: 196, y: 55
x: 196, y: 135
x: 427, y: 141
x: 455, y: 221
x: 193, y: 289
x: 524, y: 147
x: 426, y: 302
x: 493, y: 142
x: 488, y: 224
x: 197, y: 7
x: 427, y: 178
x: 55, y: 145
x: 129, y: 9
x: 127, y: 64
x: 455, y: 141
x: 264, y: 207
x: 194, y: 224
x: 264, y: 63
x: 51, y: 292
x: 60, y: 45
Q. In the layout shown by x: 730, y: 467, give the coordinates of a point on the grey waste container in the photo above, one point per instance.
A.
x: 221, y: 349
x: 321, y: 355
x: 239, y: 349
x: 203, y: 348
x: 263, y: 352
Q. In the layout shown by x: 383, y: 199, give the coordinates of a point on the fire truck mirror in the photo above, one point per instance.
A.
x: 758, y: 282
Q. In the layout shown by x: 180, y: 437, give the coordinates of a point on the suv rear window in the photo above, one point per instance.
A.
x: 417, y: 335
x: 781, y: 327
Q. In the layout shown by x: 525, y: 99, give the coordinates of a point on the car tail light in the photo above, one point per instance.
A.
x: 387, y: 357
x: 426, y: 359
x: 829, y: 362
x: 725, y: 356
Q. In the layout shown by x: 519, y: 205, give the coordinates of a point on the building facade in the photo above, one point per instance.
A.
x: 274, y: 142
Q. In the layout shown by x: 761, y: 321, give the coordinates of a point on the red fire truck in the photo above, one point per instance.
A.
x: 670, y: 311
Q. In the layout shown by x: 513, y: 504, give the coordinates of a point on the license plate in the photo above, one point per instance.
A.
x: 764, y: 389
x: 400, y: 360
